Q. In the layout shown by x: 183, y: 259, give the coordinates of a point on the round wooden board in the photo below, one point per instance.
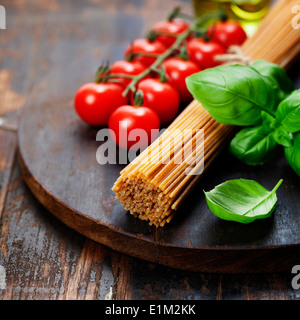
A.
x: 57, y: 154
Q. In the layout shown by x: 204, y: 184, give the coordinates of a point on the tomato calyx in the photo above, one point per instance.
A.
x: 174, y: 13
x: 138, y: 99
x: 177, y: 13
x: 102, y: 73
x: 183, y: 53
x: 223, y: 17
x: 163, y: 77
x: 153, y: 34
x: 111, y: 73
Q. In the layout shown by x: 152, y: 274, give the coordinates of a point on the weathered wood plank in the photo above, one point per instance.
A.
x: 43, y: 258
x: 17, y: 62
x: 8, y: 144
x: 160, y: 282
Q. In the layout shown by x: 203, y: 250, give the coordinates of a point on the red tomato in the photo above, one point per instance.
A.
x: 177, y: 70
x: 145, y: 46
x: 227, y: 33
x: 132, y: 68
x: 161, y: 97
x: 127, y: 118
x: 94, y: 102
x: 175, y: 27
x: 203, y: 52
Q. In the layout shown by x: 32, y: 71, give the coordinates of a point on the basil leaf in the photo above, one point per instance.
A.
x: 269, y: 121
x: 288, y: 112
x: 282, y: 137
x: 292, y: 154
x: 241, y: 200
x: 280, y: 80
x: 254, y: 145
x: 233, y: 94
x: 280, y: 134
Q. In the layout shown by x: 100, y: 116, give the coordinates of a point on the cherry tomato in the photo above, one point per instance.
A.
x: 177, y: 70
x: 160, y: 97
x: 175, y: 27
x: 94, y: 102
x: 127, y: 118
x: 203, y: 52
x: 145, y: 46
x: 126, y: 67
x: 227, y: 33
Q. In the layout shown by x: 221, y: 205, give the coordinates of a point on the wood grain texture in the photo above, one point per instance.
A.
x: 33, y: 249
x: 43, y: 258
x: 8, y: 143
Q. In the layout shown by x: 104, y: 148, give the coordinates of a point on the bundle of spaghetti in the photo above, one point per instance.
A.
x: 151, y: 187
x: 155, y: 183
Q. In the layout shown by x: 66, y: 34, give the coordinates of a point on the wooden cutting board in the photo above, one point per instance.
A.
x: 57, y: 153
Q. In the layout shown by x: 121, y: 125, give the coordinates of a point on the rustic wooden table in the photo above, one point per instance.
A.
x: 47, y: 51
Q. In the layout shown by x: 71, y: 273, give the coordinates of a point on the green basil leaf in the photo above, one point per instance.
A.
x: 233, y: 94
x: 254, y: 145
x: 292, y: 154
x: 282, y: 137
x: 280, y: 80
x: 280, y: 134
x: 242, y: 200
x: 268, y: 121
x: 288, y: 112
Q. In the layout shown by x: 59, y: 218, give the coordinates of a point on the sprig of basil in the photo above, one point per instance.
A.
x: 233, y: 94
x: 242, y: 200
x: 261, y: 96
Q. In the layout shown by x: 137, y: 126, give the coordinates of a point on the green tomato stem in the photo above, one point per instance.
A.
x: 120, y: 75
x: 158, y: 61
x: 175, y: 13
x: 176, y: 45
x: 185, y: 16
x: 146, y: 54
x: 153, y: 34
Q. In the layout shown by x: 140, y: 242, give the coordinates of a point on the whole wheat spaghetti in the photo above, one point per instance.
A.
x: 154, y: 185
